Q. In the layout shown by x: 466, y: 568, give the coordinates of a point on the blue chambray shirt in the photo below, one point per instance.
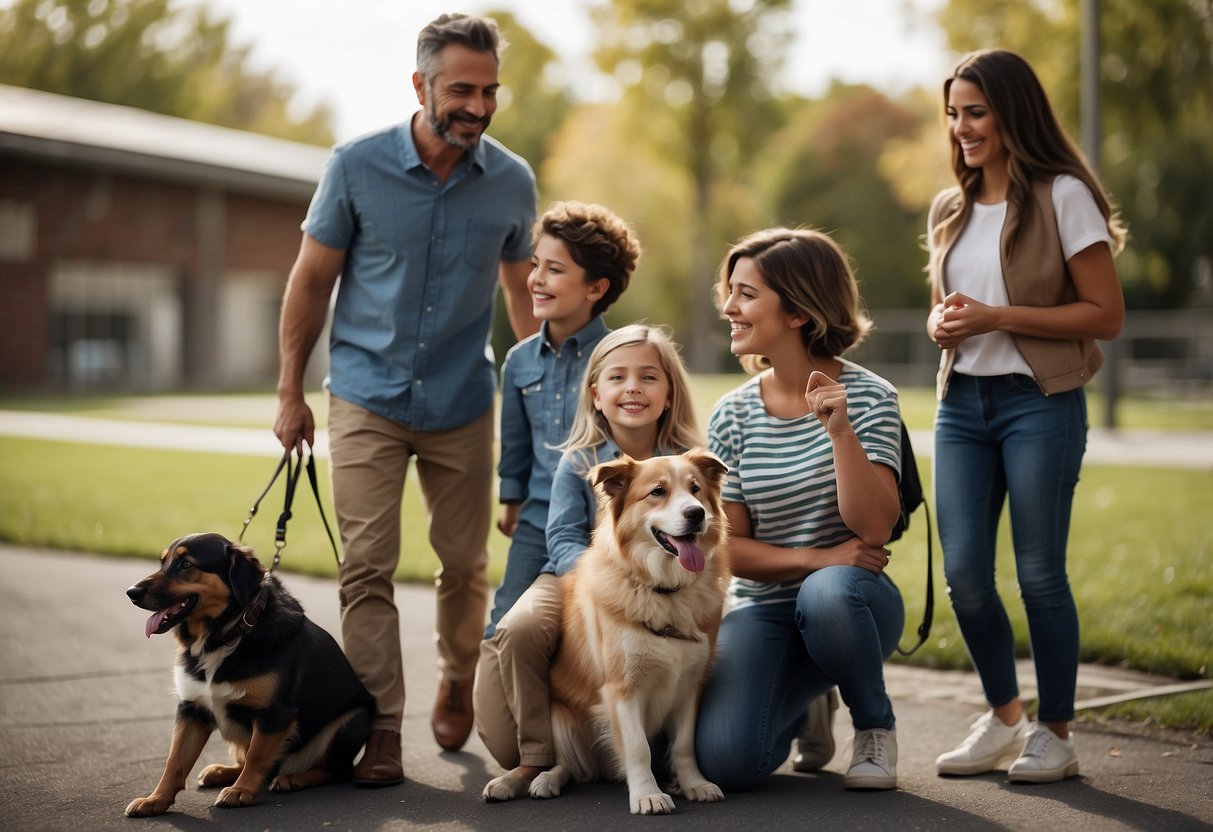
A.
x: 540, y: 391
x: 415, y: 302
x: 574, y: 505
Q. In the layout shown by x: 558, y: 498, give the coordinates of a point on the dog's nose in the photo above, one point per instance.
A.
x: 136, y: 592
x: 694, y: 514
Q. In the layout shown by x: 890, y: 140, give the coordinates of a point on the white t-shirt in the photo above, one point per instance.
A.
x: 974, y: 268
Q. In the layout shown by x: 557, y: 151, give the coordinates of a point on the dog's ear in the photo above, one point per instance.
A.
x: 244, y: 572
x: 709, y: 465
x: 613, y: 477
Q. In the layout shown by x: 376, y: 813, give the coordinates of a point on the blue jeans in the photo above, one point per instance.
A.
x: 773, y: 658
x: 526, y: 559
x: 996, y: 437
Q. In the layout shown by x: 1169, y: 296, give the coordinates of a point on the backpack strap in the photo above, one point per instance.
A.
x: 909, y: 489
x: 928, y: 612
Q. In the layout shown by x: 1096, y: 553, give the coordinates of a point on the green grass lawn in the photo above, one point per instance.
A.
x: 1141, y: 538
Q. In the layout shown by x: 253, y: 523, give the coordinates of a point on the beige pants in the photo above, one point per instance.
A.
x: 512, y: 694
x: 369, y: 457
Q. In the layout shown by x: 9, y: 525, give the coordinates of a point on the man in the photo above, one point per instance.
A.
x: 420, y: 220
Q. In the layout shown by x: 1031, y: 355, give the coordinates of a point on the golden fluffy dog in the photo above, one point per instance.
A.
x: 641, y: 613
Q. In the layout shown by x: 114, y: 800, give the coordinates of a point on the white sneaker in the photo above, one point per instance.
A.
x: 874, y: 761
x: 1046, y: 758
x: 815, y: 745
x: 991, y: 744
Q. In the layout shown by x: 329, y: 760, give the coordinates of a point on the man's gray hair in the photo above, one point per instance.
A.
x: 476, y: 33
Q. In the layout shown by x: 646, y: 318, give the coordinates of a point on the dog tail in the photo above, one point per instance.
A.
x: 575, y: 743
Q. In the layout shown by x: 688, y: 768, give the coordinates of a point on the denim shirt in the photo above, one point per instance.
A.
x: 411, y: 320
x: 540, y: 391
x: 574, y: 504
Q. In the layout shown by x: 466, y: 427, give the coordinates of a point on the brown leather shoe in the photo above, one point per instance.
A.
x: 452, y: 717
x: 380, y: 764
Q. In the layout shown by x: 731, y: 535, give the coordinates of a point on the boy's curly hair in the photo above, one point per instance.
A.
x: 598, y: 241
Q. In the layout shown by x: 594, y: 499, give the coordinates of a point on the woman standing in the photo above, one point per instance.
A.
x: 813, y: 448
x: 1022, y: 283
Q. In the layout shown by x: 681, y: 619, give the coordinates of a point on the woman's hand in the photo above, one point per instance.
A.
x: 827, y: 400
x: 854, y: 552
x: 960, y: 317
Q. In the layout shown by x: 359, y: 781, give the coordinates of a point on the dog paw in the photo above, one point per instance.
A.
x: 288, y: 783
x: 235, y: 797
x: 547, y: 784
x: 705, y: 792
x: 652, y: 804
x: 146, y: 807
x: 217, y: 775
x: 506, y: 787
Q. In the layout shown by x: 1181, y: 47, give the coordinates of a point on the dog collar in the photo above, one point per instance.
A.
x: 669, y: 631
x: 250, y: 616
x: 666, y: 590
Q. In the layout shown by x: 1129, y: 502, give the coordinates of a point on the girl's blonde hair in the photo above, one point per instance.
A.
x: 677, y: 427
x: 813, y: 278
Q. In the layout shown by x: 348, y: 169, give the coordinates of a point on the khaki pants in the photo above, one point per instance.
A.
x: 512, y: 694
x: 369, y: 457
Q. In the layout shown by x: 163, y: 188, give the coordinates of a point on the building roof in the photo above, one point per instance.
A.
x: 89, y: 133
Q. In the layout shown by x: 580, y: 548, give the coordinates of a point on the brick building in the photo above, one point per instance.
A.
x: 141, y: 252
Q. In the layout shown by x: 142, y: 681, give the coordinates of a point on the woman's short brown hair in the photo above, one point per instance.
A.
x: 813, y: 278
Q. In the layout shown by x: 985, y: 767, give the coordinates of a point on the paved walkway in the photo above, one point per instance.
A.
x: 87, y: 703
x: 1177, y: 449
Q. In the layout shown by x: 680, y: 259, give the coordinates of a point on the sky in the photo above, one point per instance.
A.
x: 359, y: 56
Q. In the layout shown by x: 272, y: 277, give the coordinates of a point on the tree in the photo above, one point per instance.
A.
x: 824, y: 172
x: 534, y: 101
x: 696, y: 77
x: 1156, y: 88
x: 150, y: 55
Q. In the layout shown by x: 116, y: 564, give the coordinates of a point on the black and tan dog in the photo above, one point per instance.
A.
x: 252, y: 665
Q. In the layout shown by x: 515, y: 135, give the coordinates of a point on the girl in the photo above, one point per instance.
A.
x: 635, y: 400
x: 813, y: 448
x: 1022, y: 282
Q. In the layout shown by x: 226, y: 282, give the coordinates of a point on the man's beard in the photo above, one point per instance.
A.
x: 443, y: 128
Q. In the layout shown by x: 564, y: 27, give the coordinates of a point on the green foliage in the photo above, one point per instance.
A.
x: 534, y: 99
x: 594, y: 160
x: 149, y: 54
x: 696, y: 79
x: 824, y: 172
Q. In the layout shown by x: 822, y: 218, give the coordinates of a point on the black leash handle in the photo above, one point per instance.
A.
x: 293, y: 470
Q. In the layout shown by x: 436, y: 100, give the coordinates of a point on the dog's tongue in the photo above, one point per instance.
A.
x: 153, y: 622
x: 689, y: 555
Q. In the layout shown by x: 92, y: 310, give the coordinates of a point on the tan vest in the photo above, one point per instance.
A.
x: 1035, y: 276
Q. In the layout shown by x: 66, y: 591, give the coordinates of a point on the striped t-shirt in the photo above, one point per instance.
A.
x: 783, y: 469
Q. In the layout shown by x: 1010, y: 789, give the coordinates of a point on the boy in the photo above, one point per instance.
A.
x: 584, y: 257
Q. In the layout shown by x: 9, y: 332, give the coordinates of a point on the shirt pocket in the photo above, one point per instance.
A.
x: 531, y: 389
x: 482, y: 244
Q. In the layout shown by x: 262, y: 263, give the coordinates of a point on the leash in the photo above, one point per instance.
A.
x: 252, y: 612
x: 292, y: 480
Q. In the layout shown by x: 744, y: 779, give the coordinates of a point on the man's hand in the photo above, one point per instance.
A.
x: 294, y: 424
